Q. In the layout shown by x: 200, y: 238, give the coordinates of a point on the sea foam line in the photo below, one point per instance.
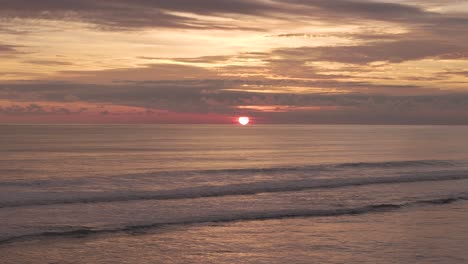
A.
x: 248, y: 171
x: 248, y: 216
x: 237, y: 189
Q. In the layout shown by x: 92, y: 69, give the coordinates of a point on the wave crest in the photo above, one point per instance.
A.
x: 248, y: 216
x: 237, y: 189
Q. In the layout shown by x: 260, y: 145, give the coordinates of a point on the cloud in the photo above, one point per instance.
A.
x: 363, y: 9
x: 145, y: 73
x: 132, y: 14
x: 460, y: 55
x: 18, y: 109
x: 393, y: 51
x: 203, y: 97
x: 173, y: 14
x: 48, y: 62
x: 7, y: 49
x: 312, y: 79
x: 202, y: 59
x: 461, y: 73
x: 349, y: 10
x: 200, y: 7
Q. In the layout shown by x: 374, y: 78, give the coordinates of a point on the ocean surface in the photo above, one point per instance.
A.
x: 231, y: 194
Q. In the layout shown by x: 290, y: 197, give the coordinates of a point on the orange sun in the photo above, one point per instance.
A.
x: 243, y: 120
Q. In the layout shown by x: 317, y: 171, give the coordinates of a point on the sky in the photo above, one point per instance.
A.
x: 209, y: 61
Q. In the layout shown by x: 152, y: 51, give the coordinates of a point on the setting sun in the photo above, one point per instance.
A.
x: 243, y: 120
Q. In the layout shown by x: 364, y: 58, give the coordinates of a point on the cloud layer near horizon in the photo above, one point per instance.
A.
x: 282, y: 61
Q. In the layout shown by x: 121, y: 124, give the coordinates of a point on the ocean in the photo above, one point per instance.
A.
x: 232, y: 194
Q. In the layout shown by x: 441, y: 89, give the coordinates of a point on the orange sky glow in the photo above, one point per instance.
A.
x: 313, y: 61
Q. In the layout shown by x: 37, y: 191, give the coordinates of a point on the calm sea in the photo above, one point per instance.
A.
x: 231, y: 194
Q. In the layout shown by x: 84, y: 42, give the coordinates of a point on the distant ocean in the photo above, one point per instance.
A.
x: 231, y: 194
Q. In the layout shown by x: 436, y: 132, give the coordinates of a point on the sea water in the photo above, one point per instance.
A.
x: 231, y: 194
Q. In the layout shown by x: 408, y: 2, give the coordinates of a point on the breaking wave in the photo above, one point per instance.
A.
x: 236, y: 189
x: 248, y: 216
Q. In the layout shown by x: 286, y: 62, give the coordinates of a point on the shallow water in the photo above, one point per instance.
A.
x: 228, y: 194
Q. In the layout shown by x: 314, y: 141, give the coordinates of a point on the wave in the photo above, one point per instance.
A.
x: 237, y: 189
x: 248, y: 216
x: 398, y: 164
x: 244, y: 171
x: 385, y: 164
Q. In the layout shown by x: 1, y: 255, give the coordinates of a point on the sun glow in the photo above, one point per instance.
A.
x: 243, y: 120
